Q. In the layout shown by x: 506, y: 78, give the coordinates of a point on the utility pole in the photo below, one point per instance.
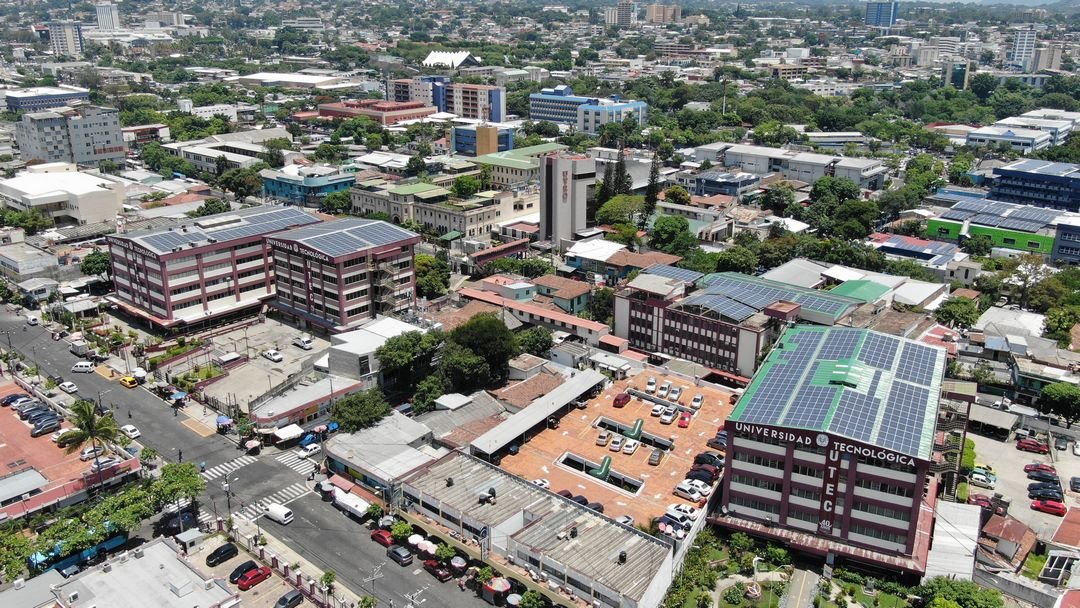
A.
x: 376, y: 574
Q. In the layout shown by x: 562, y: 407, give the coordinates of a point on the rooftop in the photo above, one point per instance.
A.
x: 548, y: 517
x: 519, y: 158
x: 346, y: 237
x: 389, y: 449
x: 1007, y: 216
x: 33, y: 185
x: 244, y: 223
x: 739, y: 296
x: 1042, y: 167
x: 866, y: 386
x: 562, y: 287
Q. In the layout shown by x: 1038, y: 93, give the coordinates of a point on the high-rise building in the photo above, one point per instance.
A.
x: 108, y: 16
x: 1024, y: 48
x: 663, y: 13
x: 882, y: 14
x: 592, y: 117
x: 66, y: 38
x: 565, y: 181
x: 1047, y: 58
x: 476, y: 101
x: 958, y: 73
x: 85, y: 135
x: 622, y: 14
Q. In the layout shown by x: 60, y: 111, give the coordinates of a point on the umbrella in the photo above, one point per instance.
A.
x: 427, y: 547
x: 499, y: 584
x: 224, y: 420
x: 513, y: 599
x: 319, y: 429
x: 178, y: 395
x: 252, y: 444
x: 415, y: 539
x: 458, y: 562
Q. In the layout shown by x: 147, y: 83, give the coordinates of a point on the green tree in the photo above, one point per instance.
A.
x: 463, y: 369
x: 535, y: 341
x: 1059, y: 322
x: 179, y: 481
x: 427, y: 391
x: 210, y: 207
x: 361, y: 410
x: 531, y: 599
x: 89, y: 428
x: 445, y: 552
x: 983, y: 85
x: 625, y: 234
x: 623, y: 183
x: 833, y: 190
x: 336, y: 202
x: 604, y: 190
x: 327, y: 152
x: 652, y: 193
x: 602, y: 305
x: 432, y: 276
x: 620, y: 209
x: 671, y: 234
x: 487, y: 336
x: 15, y: 552
x: 406, y: 358
x: 957, y: 312
x: 737, y: 259
x: 416, y: 165
x: 97, y: 263
x: 677, y: 195
x: 401, y: 531
x: 466, y: 186
x: 979, y: 245
x: 966, y: 594
x: 241, y: 182
x: 778, y: 198
x: 1062, y: 399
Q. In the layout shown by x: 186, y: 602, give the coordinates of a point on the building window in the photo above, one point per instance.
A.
x: 1008, y: 241
x: 1033, y: 245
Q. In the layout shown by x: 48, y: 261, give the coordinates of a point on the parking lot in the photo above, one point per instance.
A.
x: 262, y: 595
x: 259, y: 374
x: 542, y: 456
x: 1008, y: 463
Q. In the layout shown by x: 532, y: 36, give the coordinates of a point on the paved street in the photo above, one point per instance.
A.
x: 320, y: 532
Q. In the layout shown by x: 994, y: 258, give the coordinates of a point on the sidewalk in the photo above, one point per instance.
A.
x: 282, y: 560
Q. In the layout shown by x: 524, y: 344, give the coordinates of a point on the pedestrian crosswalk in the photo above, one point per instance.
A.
x: 226, y: 468
x: 207, y: 519
x: 304, y: 466
x: 281, y: 497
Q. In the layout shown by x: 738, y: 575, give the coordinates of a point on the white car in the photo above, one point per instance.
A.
x: 630, y: 446
x: 626, y: 520
x: 130, y: 431
x: 687, y: 510
x: 308, y: 450
x: 616, y: 443
x: 58, y: 434
x: 669, y: 415
x: 32, y: 320
x: 91, y: 453
x: 981, y: 480
x: 1076, y: 449
x: 697, y: 402
x: 663, y: 390
x: 273, y: 355
x: 684, y: 490
x: 675, y: 394
x: 68, y: 387
x: 650, y: 386
x: 658, y: 409
x: 103, y: 463
x: 703, y: 488
x: 541, y: 483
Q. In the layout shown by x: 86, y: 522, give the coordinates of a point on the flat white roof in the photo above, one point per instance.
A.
x: 38, y: 184
x: 956, y: 538
x: 288, y: 77
x: 597, y: 249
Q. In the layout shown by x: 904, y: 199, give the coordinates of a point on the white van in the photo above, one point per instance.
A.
x: 279, y: 513
x: 83, y: 367
x: 32, y: 320
x: 303, y: 341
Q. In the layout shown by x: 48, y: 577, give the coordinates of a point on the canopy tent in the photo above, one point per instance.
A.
x: 288, y: 433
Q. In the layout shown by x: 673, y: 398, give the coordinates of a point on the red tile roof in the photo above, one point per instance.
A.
x: 563, y: 287
x: 548, y: 315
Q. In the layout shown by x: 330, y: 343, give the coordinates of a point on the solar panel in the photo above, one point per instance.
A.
x: 810, y: 407
x: 1022, y: 225
x: 917, y: 363
x: 1034, y: 215
x: 902, y: 423
x: 879, y: 350
x: 957, y: 214
x: 673, y: 272
x: 856, y: 413
x: 972, y: 206
x: 840, y: 344
x: 986, y: 219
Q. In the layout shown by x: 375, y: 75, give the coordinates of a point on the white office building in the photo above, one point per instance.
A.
x: 108, y: 17
x: 1024, y: 47
x: 62, y: 193
x: 1023, y: 141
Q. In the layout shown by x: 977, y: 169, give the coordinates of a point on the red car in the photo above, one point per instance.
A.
x: 684, y: 419
x: 1031, y: 445
x: 1040, y: 466
x: 383, y: 537
x: 253, y: 577
x: 1052, y: 507
x: 440, y: 572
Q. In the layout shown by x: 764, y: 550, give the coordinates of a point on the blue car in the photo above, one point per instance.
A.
x: 309, y: 439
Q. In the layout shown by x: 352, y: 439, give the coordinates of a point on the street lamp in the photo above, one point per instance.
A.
x: 99, y: 394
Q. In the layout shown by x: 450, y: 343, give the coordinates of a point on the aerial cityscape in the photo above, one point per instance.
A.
x: 374, y: 304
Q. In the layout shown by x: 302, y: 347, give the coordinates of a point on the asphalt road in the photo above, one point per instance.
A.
x: 323, y: 534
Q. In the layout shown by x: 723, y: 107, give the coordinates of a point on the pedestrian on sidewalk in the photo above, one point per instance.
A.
x: 129, y: 413
x: 180, y: 455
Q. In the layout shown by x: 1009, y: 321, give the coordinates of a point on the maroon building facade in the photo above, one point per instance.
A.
x: 335, y: 276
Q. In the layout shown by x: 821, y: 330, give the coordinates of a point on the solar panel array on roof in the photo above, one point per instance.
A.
x: 1033, y: 214
x: 1022, y: 225
x: 957, y: 214
x: 721, y: 305
x: 253, y: 221
x: 886, y: 396
x: 344, y: 237
x: 985, y: 219
x: 674, y: 272
x: 759, y: 293
x: 973, y: 206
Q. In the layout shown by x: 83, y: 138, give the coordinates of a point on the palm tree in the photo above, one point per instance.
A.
x: 90, y: 428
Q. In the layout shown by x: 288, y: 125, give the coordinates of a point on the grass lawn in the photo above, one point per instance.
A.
x: 1033, y: 565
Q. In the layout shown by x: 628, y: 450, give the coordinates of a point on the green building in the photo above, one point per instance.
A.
x: 1009, y: 226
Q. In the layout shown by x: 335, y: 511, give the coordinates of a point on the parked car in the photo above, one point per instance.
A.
x: 383, y: 537
x: 129, y: 382
x: 630, y: 446
x: 658, y: 409
x: 41, y: 416
x: 675, y: 394
x: 1042, y: 476
x: 663, y: 390
x: 1076, y: 448
x: 697, y: 401
x: 308, y: 450
x: 621, y: 400
x: 241, y: 570
x: 253, y: 577
x: 655, y: 457
x: 1053, y: 507
x: 669, y: 415
x: 603, y: 438
x: 102, y: 464
x: 1039, y: 466
x: 222, y: 554
x: 708, y: 468
x: 439, y: 571
x: 1074, y: 484
x: 1047, y: 494
x: 31, y: 410
x: 60, y: 433
x: 6, y: 401
x: 684, y: 419
x: 703, y: 488
x: 626, y: 520
x: 45, y: 427
x: 1044, y: 485
x: 291, y: 599
x: 1061, y: 443
x: 90, y: 453
x: 596, y: 506
x: 616, y: 443
x: 581, y: 500
x: 175, y: 524
x: 684, y: 490
x: 273, y: 355
x: 709, y: 458
x: 542, y: 483
x: 702, y: 476
x: 565, y: 494
x: 650, y: 385
x: 130, y: 431
x: 399, y: 554
x: 68, y: 387
x: 717, y: 443
x: 687, y: 510
x: 1032, y: 445
x: 985, y: 472
x: 982, y: 481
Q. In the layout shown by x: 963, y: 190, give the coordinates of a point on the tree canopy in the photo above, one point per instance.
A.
x: 97, y: 263
x: 361, y: 410
x: 1062, y: 399
x: 957, y: 312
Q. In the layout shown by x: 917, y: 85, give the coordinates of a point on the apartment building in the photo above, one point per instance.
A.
x: 200, y: 272
x: 108, y: 16
x: 86, y: 135
x: 881, y: 14
x: 382, y: 112
x: 334, y: 276
x: 592, y: 117
x: 474, y: 101
x: 663, y: 13
x: 1023, y: 50
x: 36, y: 99
x: 420, y: 88
x: 831, y: 446
x: 66, y: 38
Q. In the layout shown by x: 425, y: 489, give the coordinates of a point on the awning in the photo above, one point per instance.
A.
x: 453, y: 235
x: 341, y: 482
x: 293, y: 431
x: 252, y: 444
x: 993, y: 417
